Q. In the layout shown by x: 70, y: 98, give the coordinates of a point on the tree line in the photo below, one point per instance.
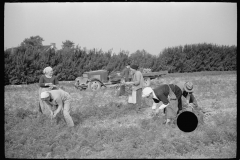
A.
x: 26, y: 64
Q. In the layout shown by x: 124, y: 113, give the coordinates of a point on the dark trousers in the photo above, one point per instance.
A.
x: 178, y: 92
x: 139, y: 98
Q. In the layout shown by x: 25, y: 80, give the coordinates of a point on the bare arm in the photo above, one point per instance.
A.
x: 49, y: 105
x: 60, y: 106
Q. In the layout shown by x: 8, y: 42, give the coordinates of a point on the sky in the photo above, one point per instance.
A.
x: 128, y: 26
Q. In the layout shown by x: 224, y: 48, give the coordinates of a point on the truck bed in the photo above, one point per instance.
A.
x: 154, y: 74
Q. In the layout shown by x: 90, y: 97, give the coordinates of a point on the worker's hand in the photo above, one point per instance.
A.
x: 123, y: 81
x: 191, y: 105
x: 157, y: 111
x: 128, y: 83
x: 48, y: 84
x: 51, y: 114
x: 154, y: 106
x: 163, y: 106
x: 52, y: 86
x: 54, y: 114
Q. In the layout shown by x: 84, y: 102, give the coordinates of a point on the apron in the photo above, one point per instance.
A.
x: 133, y: 98
x: 172, y: 108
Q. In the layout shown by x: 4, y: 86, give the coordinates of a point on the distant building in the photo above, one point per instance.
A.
x: 45, y: 48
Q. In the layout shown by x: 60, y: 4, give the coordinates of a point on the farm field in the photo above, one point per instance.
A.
x: 108, y: 127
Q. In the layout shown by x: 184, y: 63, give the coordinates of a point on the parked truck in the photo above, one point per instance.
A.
x: 94, y: 80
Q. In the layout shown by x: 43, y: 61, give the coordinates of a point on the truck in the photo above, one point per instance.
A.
x: 95, y: 80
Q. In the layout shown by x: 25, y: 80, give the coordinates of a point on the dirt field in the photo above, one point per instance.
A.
x: 107, y: 127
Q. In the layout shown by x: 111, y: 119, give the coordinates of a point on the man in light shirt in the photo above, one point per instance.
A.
x: 137, y: 85
x: 61, y: 99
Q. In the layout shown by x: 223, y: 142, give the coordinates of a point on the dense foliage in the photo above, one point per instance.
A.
x: 25, y: 65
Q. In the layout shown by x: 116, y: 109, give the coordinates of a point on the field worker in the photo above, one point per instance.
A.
x: 187, y: 93
x: 61, y: 99
x: 46, y: 82
x: 125, y: 75
x: 191, y: 102
x: 137, y: 85
x: 170, y: 96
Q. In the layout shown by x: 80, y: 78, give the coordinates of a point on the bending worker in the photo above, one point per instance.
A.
x: 61, y: 99
x: 170, y: 95
x: 187, y: 92
x: 191, y: 102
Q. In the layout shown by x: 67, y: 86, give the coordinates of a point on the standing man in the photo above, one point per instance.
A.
x: 137, y: 85
x: 170, y: 95
x: 61, y: 99
x: 125, y: 74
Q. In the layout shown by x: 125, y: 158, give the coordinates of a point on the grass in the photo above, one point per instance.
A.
x: 107, y: 127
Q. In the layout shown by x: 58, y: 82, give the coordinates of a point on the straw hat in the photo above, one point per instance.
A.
x: 147, y: 91
x: 44, y: 94
x: 188, y: 86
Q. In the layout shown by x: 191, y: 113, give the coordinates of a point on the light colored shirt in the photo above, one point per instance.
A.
x: 139, y: 81
x: 59, y: 96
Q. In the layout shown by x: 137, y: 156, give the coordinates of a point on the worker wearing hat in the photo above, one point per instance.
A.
x: 61, y: 99
x: 191, y: 102
x: 170, y: 96
x: 137, y: 85
x: 187, y: 92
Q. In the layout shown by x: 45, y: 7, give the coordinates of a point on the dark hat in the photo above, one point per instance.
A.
x: 133, y: 66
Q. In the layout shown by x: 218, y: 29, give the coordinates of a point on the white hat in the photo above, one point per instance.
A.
x: 146, y: 91
x: 44, y: 94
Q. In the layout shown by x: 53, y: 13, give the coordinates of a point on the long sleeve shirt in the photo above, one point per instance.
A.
x: 43, y: 79
x: 162, y: 92
x: 138, y: 80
